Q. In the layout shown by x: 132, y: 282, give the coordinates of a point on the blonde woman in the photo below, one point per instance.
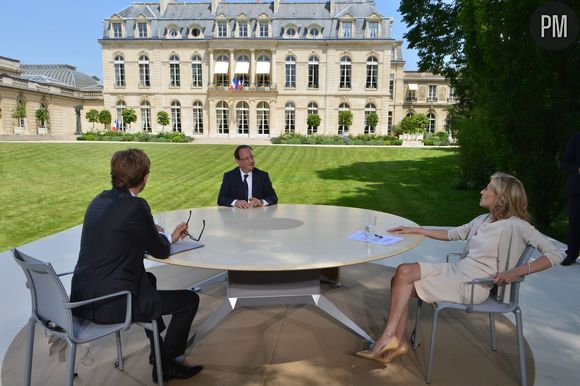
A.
x: 495, y: 242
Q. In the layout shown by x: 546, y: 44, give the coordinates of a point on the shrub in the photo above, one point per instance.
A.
x: 109, y: 135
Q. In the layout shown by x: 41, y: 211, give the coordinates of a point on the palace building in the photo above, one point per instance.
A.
x: 255, y: 69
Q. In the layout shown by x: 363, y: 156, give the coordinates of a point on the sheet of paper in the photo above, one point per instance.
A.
x: 374, y: 238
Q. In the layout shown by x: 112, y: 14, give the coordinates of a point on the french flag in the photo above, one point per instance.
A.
x: 115, y: 126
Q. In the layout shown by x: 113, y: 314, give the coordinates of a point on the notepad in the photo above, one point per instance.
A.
x: 374, y: 238
x: 184, y: 245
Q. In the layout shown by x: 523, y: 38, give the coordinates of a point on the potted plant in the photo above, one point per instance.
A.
x: 93, y: 117
x: 344, y: 121
x: 129, y: 116
x: 105, y: 118
x: 163, y: 119
x: 372, y: 121
x: 313, y: 121
x: 42, y: 118
x: 19, y: 114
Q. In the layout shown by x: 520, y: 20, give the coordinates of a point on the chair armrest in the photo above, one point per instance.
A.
x: 453, y: 254
x: 127, y: 322
x: 485, y: 280
x: 65, y: 273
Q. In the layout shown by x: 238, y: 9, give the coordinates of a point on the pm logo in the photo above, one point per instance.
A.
x: 554, y: 26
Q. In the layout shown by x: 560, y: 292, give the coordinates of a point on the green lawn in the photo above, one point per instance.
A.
x: 47, y: 187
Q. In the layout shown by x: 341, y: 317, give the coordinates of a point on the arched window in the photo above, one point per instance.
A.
x: 263, y: 71
x: 222, y: 112
x: 263, y: 112
x: 369, y: 108
x: 372, y: 72
x: 243, y: 117
x: 345, y: 72
x: 312, y: 110
x: 313, y: 71
x: 432, y: 122
x: 410, y: 113
x: 342, y: 129
x: 119, y: 64
x: 144, y: 80
x: 20, y: 121
x: 174, y: 75
x: 197, y: 117
x: 196, y: 74
x: 119, y: 124
x: 176, y: 116
x: 221, y: 71
x: 290, y: 71
x: 289, y: 118
x: 241, y: 72
x: 146, y: 116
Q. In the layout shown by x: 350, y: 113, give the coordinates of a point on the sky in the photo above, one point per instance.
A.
x: 66, y: 31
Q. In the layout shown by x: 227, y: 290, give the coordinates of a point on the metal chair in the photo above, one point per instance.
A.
x: 491, y: 306
x: 52, y: 309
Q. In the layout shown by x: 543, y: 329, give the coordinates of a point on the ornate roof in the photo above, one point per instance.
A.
x: 61, y: 74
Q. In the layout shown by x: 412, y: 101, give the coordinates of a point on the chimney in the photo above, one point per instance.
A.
x: 214, y: 5
x: 276, y: 7
x: 163, y: 5
x: 331, y: 7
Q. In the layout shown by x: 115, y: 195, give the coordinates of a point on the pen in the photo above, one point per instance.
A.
x: 379, y: 236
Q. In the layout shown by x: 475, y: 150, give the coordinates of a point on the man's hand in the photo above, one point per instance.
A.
x: 255, y: 202
x: 242, y: 204
x: 179, y: 232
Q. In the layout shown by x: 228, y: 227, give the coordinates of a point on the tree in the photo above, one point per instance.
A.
x: 41, y: 115
x: 19, y: 114
x: 129, y: 116
x: 163, y: 119
x: 413, y: 124
x: 313, y: 121
x: 92, y: 116
x: 105, y: 118
x: 344, y: 119
x: 515, y: 98
x: 372, y: 120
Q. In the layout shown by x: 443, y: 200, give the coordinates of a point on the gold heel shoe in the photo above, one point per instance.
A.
x: 400, y: 351
x: 367, y: 354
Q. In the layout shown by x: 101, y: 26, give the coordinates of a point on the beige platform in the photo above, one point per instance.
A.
x: 294, y: 345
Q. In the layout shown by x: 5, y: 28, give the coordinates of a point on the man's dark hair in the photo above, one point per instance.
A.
x: 237, y: 151
x: 129, y: 168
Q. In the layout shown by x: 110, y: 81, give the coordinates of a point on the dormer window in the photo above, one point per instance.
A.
x: 373, y: 31
x: 291, y: 32
x: 313, y: 32
x: 195, y: 32
x: 142, y: 30
x: 222, y: 28
x: 117, y: 30
x: 264, y: 29
x: 347, y: 29
x: 173, y: 33
x: 243, y: 29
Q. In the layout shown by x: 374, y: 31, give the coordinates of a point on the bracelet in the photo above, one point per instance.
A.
x: 529, y: 268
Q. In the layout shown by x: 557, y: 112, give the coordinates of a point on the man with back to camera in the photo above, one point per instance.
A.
x: 570, y: 163
x: 246, y: 186
x: 117, y: 230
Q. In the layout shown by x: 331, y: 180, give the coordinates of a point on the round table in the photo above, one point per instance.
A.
x: 273, y: 255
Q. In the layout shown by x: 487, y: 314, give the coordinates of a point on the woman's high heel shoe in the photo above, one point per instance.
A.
x: 403, y: 349
x: 367, y: 354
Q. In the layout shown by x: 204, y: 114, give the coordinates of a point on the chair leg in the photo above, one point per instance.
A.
x: 29, y: 351
x: 520, y: 332
x: 432, y: 348
x: 415, y: 333
x: 120, y: 365
x: 157, y: 353
x: 492, y: 331
x: 70, y: 363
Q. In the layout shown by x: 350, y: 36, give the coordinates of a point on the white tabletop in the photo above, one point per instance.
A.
x: 284, y: 237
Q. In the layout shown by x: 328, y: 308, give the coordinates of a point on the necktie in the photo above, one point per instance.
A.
x: 246, y: 186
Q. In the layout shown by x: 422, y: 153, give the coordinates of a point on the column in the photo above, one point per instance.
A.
x: 273, y: 71
x: 210, y: 68
x: 252, y: 68
x: 231, y: 67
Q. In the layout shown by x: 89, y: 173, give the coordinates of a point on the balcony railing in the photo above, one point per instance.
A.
x: 239, y: 87
x: 411, y: 99
x: 432, y: 99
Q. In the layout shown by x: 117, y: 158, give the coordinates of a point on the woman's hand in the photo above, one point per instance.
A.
x: 403, y: 230
x: 506, y: 277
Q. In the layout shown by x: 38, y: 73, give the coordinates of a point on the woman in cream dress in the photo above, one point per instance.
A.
x: 494, y: 243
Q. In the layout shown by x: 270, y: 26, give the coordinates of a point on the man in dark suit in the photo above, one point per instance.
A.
x: 571, y: 164
x: 118, y: 230
x: 246, y: 186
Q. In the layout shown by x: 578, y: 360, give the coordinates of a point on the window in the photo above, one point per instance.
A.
x: 119, y: 71
x: 312, y: 110
x: 289, y: 118
x: 389, y: 122
x: 196, y: 75
x: 263, y: 118
x: 346, y: 29
x: 223, y: 29
x: 173, y: 33
x: 119, y: 124
x: 373, y: 29
x: 432, y: 122
x: 145, y: 116
x: 20, y: 121
x: 243, y: 29
x: 290, y: 31
x: 410, y: 114
x: 176, y: 116
x: 117, y: 30
x: 142, y: 30
x: 222, y: 77
x: 197, y: 117
x: 243, y: 117
x: 195, y: 32
x: 392, y: 86
x: 372, y: 72
x: 222, y: 112
x: 290, y: 71
x: 345, y: 72
x: 313, y: 72
x: 174, y: 76
x: 432, y: 97
x: 314, y: 32
x: 343, y: 129
x: 263, y: 71
x: 264, y: 29
x: 451, y: 96
x: 241, y: 72
x: 369, y: 108
x: 144, y: 80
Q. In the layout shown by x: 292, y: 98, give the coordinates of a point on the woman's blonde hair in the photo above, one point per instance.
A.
x: 511, y: 197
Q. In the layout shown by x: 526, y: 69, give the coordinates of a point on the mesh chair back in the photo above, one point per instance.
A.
x: 515, y: 287
x: 46, y: 290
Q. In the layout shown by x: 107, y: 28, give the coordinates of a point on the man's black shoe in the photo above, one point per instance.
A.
x: 568, y: 261
x: 175, y: 370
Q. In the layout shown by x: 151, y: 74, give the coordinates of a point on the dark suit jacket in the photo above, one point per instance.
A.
x: 232, y: 187
x: 117, y: 230
x: 570, y: 162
